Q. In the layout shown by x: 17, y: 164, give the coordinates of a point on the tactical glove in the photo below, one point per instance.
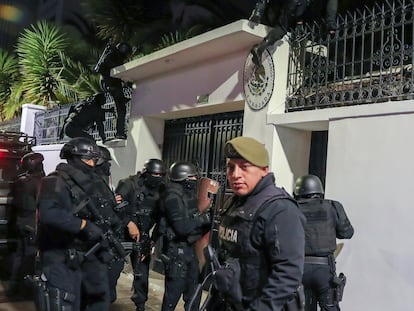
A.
x: 204, y: 219
x: 92, y: 232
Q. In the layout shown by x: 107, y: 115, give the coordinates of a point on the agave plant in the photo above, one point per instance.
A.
x: 79, y: 77
x: 38, y: 50
x: 11, y: 108
x: 9, y: 74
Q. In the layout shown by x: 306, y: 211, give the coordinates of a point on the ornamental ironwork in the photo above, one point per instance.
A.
x: 369, y: 59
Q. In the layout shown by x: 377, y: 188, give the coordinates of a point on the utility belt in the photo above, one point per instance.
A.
x: 317, y: 260
x: 71, y: 257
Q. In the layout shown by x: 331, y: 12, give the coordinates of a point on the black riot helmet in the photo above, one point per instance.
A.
x: 308, y: 186
x: 104, y: 155
x: 32, y: 162
x: 124, y: 48
x: 181, y: 170
x: 154, y: 166
x: 80, y: 147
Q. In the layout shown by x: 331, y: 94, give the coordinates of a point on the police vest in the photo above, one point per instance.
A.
x: 320, y: 228
x: 187, y: 211
x: 82, y: 187
x: 145, y: 202
x: 235, y: 230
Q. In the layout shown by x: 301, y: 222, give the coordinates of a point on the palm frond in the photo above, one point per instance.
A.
x: 75, y: 74
x: 9, y: 74
x: 12, y: 107
x: 38, y: 50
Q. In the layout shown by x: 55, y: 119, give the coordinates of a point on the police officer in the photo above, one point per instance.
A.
x: 142, y: 191
x: 24, y: 202
x: 103, y: 165
x: 286, y: 14
x: 182, y: 225
x: 111, y: 57
x: 326, y: 221
x: 261, y: 236
x: 66, y: 232
x: 116, y: 263
x: 84, y: 116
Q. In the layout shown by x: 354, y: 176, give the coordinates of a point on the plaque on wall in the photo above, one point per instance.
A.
x: 258, y: 81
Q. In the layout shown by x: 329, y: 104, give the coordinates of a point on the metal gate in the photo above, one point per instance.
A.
x: 201, y: 140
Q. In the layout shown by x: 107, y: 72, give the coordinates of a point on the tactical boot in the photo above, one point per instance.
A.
x: 140, y: 307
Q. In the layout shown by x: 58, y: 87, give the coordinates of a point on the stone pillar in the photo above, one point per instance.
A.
x: 28, y: 118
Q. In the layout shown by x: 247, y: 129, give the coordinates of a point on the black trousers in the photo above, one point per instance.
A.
x: 23, y: 264
x: 115, y: 87
x: 63, y: 283
x: 141, y: 276
x: 181, y: 278
x: 95, y: 285
x: 317, y: 281
x: 115, y: 268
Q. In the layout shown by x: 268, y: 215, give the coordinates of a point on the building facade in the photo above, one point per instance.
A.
x: 365, y: 155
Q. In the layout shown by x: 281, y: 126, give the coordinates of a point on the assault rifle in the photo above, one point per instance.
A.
x: 142, y: 248
x: 108, y: 237
x: 108, y: 49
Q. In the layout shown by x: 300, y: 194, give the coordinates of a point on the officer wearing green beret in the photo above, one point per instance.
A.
x: 262, y: 230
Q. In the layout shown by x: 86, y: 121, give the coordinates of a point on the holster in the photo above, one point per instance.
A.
x: 41, y: 294
x: 339, y: 282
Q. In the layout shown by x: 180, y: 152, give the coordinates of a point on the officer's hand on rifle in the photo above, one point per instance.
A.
x: 118, y: 198
x: 205, y: 218
x: 134, y: 231
x: 92, y: 232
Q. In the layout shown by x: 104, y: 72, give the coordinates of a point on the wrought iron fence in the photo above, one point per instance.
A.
x: 369, y: 59
x: 48, y: 124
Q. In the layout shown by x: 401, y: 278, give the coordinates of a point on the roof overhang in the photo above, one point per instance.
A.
x: 239, y: 35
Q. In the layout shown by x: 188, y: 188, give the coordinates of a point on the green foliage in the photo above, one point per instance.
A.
x: 115, y: 20
x: 11, y: 108
x: 79, y: 79
x: 9, y: 74
x: 38, y: 50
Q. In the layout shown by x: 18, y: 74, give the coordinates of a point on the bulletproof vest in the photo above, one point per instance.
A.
x: 189, y: 208
x: 145, y: 202
x: 83, y: 187
x: 320, y: 228
x: 238, y: 219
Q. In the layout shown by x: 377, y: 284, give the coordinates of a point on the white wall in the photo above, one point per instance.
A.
x: 370, y: 170
x: 51, y: 155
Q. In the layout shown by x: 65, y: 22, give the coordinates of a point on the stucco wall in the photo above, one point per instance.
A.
x: 370, y: 170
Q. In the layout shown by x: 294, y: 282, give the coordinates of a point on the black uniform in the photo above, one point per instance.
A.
x: 143, y: 193
x: 283, y: 15
x: 264, y: 232
x: 184, y: 226
x: 24, y: 201
x: 326, y: 221
x: 62, y: 245
x: 83, y: 117
x: 113, y: 57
